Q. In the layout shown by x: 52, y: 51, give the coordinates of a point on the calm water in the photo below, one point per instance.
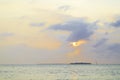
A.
x: 59, y: 72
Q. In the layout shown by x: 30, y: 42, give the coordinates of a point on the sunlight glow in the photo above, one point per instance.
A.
x: 78, y: 43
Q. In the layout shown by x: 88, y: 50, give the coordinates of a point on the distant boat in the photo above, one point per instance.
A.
x: 80, y: 63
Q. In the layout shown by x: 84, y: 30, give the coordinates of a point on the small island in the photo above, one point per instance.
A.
x: 81, y: 63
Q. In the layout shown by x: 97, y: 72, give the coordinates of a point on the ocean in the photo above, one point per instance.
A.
x: 59, y: 72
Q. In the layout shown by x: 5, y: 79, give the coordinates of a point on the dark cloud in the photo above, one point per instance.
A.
x: 115, y: 48
x: 6, y: 34
x: 37, y: 24
x: 101, y: 42
x: 116, y: 23
x: 109, y: 50
x: 64, y: 8
x: 80, y: 29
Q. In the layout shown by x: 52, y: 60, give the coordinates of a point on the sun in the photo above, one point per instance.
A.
x: 78, y: 43
x: 75, y: 44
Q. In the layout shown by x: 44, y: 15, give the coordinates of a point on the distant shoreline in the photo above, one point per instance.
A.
x: 60, y: 64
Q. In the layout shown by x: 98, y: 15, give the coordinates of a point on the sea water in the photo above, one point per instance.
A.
x: 59, y: 72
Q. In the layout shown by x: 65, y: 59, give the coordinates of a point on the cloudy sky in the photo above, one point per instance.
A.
x: 59, y: 31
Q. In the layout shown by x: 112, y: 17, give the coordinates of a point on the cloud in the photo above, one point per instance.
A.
x: 37, y: 41
x: 74, y: 53
x: 116, y: 23
x: 37, y: 24
x: 80, y: 29
x: 101, y: 42
x: 115, y: 48
x: 6, y: 34
x: 64, y: 7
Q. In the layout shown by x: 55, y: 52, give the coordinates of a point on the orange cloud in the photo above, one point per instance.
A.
x: 46, y: 43
x: 43, y: 41
x: 74, y: 53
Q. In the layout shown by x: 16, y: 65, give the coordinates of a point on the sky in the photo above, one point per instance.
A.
x: 59, y: 31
